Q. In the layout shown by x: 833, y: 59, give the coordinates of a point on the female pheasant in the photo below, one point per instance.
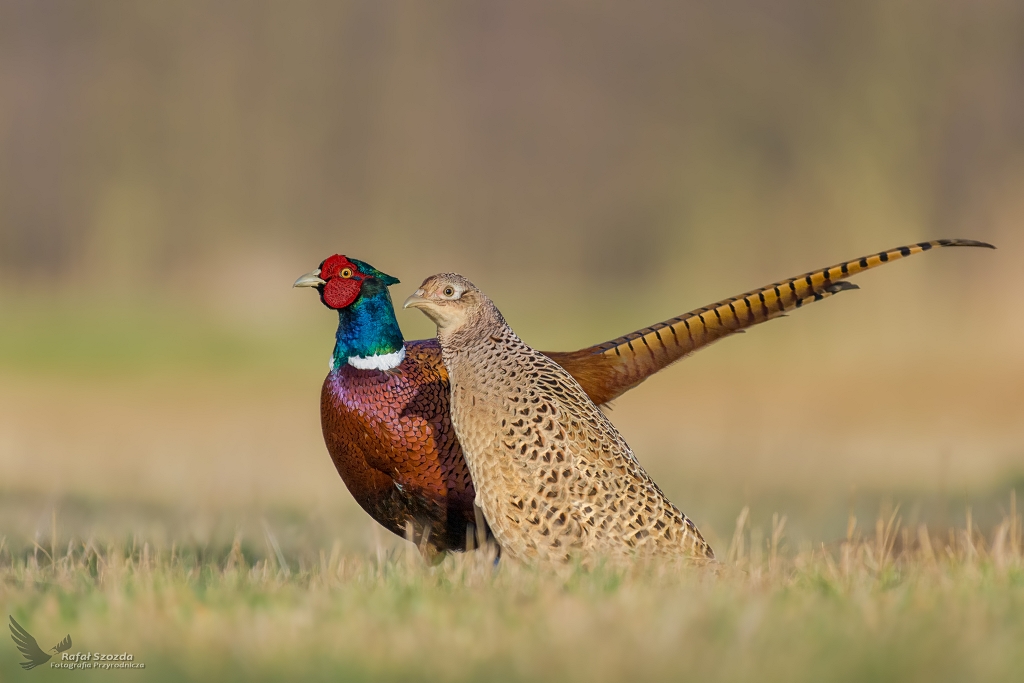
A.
x: 384, y: 403
x: 554, y: 478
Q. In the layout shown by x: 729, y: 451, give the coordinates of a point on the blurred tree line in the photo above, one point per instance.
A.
x: 595, y: 137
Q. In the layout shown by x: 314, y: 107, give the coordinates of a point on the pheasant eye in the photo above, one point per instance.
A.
x: 346, y: 272
x: 448, y: 291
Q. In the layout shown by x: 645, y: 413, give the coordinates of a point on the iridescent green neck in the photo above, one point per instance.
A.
x: 367, y: 328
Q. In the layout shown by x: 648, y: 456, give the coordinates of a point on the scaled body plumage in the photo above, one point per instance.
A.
x: 554, y: 478
x: 391, y: 439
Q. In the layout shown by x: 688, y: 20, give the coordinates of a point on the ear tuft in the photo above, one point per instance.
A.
x: 364, y: 267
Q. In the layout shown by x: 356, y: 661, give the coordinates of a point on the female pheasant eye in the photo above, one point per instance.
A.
x: 448, y: 291
x: 346, y: 272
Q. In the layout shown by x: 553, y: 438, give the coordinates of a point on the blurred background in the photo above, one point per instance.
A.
x: 168, y: 169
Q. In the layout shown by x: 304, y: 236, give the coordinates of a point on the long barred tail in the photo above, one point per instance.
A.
x: 608, y: 370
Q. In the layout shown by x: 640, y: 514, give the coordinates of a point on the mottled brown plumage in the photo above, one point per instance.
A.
x: 554, y: 479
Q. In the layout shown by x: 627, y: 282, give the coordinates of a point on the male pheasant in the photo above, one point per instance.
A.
x: 553, y: 477
x: 384, y: 403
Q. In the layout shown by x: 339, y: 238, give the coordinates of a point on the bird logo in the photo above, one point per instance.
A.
x: 34, y: 656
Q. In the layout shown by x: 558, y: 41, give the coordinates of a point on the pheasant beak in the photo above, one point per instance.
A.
x: 416, y: 300
x: 310, y: 280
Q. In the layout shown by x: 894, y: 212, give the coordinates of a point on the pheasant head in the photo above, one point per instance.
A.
x: 455, y: 305
x: 340, y: 280
x: 368, y: 336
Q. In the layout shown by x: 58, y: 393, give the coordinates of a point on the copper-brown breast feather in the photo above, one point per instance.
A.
x: 391, y: 440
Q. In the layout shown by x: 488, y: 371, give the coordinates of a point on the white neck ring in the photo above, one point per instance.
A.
x: 384, y: 361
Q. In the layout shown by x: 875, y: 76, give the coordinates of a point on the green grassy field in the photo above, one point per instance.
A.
x: 889, y: 603
x: 164, y: 492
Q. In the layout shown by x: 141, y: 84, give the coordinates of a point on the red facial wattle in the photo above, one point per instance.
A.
x: 339, y: 292
x: 343, y: 281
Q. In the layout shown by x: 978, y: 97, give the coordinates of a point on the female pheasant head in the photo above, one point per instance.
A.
x: 454, y: 304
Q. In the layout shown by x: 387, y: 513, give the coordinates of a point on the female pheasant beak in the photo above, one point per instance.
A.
x: 416, y: 300
x: 310, y: 280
